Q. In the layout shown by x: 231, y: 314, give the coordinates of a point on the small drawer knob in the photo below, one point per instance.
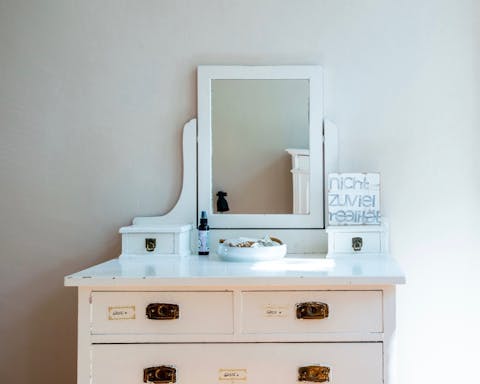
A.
x: 312, y: 310
x: 150, y: 244
x: 314, y: 373
x: 163, y: 311
x: 357, y: 243
x: 160, y: 374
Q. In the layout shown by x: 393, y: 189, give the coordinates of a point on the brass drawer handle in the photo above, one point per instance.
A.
x: 160, y: 374
x: 314, y: 373
x: 162, y: 311
x: 312, y: 310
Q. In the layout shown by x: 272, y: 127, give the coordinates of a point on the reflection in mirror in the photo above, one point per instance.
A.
x: 260, y: 146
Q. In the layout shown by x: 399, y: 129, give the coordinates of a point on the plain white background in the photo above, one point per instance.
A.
x: 93, y: 97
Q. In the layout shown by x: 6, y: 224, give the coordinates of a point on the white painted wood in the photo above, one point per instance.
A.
x: 199, y: 271
x: 313, y: 73
x: 83, y: 336
x: 122, y: 359
x: 297, y: 154
x: 374, y: 240
x: 358, y: 343
x: 199, y: 313
x: 330, y: 337
x: 239, y: 335
x: 330, y: 143
x: 164, y: 228
x: 185, y: 210
x: 389, y: 344
x: 170, y: 240
x: 371, y: 242
x: 134, y: 244
x: 359, y: 363
x: 349, y: 312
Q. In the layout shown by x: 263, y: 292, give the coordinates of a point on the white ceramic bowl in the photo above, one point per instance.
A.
x: 229, y: 253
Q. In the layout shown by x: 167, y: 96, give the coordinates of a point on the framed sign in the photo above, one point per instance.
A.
x: 354, y: 199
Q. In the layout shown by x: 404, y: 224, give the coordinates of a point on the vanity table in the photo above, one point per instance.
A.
x: 161, y: 314
x: 200, y: 320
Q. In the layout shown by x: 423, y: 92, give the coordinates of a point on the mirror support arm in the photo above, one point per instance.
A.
x: 330, y: 153
x: 185, y: 211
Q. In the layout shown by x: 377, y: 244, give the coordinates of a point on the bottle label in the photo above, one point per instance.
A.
x: 203, y: 241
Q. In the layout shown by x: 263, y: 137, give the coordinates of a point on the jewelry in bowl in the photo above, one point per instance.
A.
x: 248, y: 249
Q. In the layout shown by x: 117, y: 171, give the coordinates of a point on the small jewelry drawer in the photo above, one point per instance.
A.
x: 300, y: 312
x: 280, y: 363
x: 160, y: 240
x: 161, y: 313
x: 357, y: 240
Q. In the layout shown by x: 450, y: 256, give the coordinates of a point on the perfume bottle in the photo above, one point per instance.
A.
x: 203, y: 235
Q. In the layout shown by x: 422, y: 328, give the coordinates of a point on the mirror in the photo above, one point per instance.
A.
x: 254, y: 124
x: 260, y: 146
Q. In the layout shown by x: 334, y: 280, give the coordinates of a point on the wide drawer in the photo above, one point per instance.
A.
x: 340, y: 363
x: 312, y: 312
x: 171, y: 312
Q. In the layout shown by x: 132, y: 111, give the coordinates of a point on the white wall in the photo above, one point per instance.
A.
x: 93, y: 96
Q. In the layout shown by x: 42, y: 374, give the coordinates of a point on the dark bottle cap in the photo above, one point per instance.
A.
x: 203, y: 220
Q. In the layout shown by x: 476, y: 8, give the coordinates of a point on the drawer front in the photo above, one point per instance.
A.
x: 279, y: 312
x: 370, y: 243
x: 340, y: 363
x: 171, y: 312
x: 148, y: 243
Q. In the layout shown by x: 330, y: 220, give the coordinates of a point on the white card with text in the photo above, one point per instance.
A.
x: 354, y: 199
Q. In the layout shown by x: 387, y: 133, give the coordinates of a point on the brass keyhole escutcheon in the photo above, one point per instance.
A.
x: 357, y: 243
x: 150, y: 244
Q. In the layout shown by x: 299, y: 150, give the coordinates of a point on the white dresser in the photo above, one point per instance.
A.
x: 151, y: 318
x: 198, y: 320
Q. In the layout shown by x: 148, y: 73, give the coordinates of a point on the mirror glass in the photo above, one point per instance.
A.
x: 260, y: 146
x: 259, y: 126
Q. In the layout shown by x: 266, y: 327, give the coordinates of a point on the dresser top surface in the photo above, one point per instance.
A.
x: 208, y: 271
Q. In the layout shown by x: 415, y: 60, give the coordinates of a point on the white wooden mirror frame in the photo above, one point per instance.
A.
x: 312, y: 73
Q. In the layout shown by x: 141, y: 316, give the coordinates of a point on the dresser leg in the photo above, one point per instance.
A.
x: 389, y: 325
x: 83, y: 335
